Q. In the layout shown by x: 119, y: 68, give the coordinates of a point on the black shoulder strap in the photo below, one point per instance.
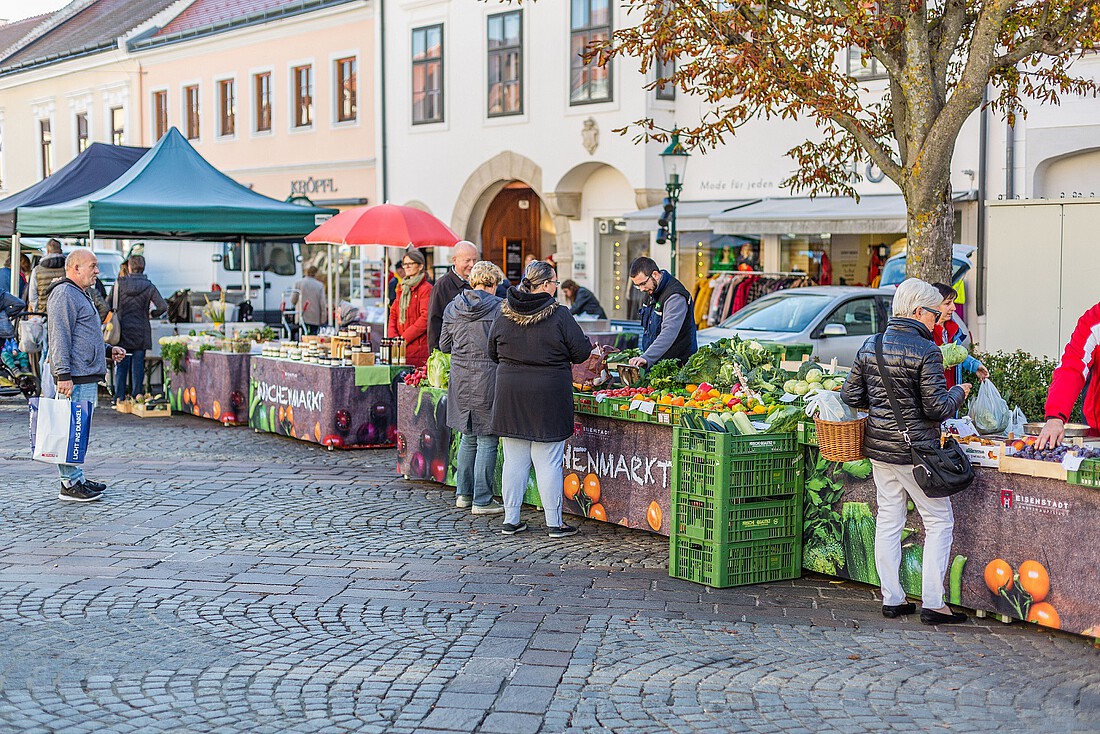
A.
x: 887, y: 383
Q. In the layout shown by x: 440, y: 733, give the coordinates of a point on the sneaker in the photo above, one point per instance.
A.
x: 510, y: 529
x: 78, y: 493
x: 461, y: 501
x: 493, y: 508
x: 562, y: 532
x: 95, y: 486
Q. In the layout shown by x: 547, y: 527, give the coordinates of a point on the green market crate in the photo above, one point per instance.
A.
x: 585, y: 403
x: 807, y: 434
x: 738, y: 564
x: 756, y: 476
x: 1088, y: 475
x: 728, y: 444
x: 735, y: 521
x: 620, y: 408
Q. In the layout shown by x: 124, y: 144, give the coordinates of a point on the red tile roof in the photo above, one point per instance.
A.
x: 203, y: 13
x: 12, y: 33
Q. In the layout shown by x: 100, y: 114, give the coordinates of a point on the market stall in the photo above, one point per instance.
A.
x: 211, y: 384
x: 337, y: 406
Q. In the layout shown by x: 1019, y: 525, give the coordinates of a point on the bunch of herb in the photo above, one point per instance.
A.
x: 664, y: 375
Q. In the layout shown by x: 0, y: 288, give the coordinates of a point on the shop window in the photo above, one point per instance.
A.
x: 859, y: 317
x: 303, y: 95
x: 346, y: 93
x: 45, y: 147
x: 191, y: 101
x: 227, y: 107
x: 261, y: 88
x: 505, y: 46
x: 804, y: 253
x: 160, y: 114
x: 589, y: 21
x: 427, y: 74
x: 82, y: 139
x: 118, y: 126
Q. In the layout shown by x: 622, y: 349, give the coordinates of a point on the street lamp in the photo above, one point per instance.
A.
x: 674, y: 161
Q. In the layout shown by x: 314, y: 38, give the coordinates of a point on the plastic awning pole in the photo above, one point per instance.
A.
x: 331, y: 268
x: 15, y: 264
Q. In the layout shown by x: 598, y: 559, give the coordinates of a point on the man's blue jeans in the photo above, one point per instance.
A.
x: 74, y: 473
x: 477, y: 464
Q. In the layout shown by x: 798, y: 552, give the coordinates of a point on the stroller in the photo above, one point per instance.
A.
x: 16, y: 375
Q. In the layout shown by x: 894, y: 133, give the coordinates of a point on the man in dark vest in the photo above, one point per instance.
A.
x: 668, y: 327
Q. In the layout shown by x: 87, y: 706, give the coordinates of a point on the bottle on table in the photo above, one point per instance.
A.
x: 370, y: 342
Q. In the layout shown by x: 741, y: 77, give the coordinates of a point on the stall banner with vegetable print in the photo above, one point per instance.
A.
x: 1021, y: 544
x: 212, y: 385
x: 320, y: 404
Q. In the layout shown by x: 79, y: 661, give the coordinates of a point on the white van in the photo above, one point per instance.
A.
x: 204, y: 267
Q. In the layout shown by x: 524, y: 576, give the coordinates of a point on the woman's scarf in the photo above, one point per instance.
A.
x: 407, y: 286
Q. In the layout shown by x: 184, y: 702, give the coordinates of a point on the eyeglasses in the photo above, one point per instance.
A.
x: 555, y: 282
x: 409, y: 264
x: 939, y: 314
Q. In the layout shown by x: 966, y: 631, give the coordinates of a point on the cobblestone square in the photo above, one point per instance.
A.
x: 236, y: 582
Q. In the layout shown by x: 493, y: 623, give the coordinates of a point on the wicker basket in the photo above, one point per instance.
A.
x: 840, y: 441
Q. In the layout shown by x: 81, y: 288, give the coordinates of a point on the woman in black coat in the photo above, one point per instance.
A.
x: 535, y: 342
x: 135, y: 299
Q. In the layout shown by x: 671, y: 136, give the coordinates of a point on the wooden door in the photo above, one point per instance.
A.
x: 510, y: 231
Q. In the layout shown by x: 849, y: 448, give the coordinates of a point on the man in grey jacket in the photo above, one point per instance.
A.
x: 309, y: 298
x: 77, y: 355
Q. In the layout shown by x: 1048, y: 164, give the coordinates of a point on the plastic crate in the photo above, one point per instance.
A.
x: 1087, y: 476
x: 702, y: 519
x: 807, y: 434
x: 722, y: 566
x: 728, y: 444
x: 585, y: 403
x: 770, y: 476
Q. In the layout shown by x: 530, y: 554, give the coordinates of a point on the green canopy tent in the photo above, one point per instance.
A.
x: 172, y: 192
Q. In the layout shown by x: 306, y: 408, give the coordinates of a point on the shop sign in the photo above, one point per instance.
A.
x: 311, y: 185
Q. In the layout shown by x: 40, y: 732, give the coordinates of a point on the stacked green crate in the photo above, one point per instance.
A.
x: 736, y: 508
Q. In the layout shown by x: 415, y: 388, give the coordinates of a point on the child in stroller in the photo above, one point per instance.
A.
x: 15, y: 365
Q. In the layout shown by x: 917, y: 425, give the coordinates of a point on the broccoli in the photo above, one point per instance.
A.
x: 826, y: 558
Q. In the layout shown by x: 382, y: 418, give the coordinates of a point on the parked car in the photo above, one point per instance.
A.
x: 835, y: 319
x: 893, y: 272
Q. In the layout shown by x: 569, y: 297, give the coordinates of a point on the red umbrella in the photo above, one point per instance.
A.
x: 388, y: 225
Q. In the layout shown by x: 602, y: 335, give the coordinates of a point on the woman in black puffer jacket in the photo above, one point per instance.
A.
x: 535, y: 341
x: 914, y: 365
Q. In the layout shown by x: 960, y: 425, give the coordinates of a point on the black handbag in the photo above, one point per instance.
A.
x: 940, y: 471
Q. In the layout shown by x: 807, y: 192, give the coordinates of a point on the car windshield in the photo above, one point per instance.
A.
x: 108, y: 267
x: 787, y: 312
x: 893, y: 273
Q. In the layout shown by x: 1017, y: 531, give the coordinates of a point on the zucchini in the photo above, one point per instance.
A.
x: 955, y: 580
x: 715, y: 426
x: 858, y: 539
x: 744, y: 425
x: 911, y: 572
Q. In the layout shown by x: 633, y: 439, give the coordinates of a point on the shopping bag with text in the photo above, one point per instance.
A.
x: 59, y: 430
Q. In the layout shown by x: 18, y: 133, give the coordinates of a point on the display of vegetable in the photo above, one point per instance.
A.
x: 953, y: 354
x: 624, y: 356
x: 912, y: 568
x: 439, y: 369
x: 858, y: 538
x: 714, y: 362
x: 663, y: 375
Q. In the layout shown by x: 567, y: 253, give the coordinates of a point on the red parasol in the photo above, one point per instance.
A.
x: 388, y: 225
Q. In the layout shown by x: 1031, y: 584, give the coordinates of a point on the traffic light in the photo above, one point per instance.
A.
x: 666, y: 215
x: 662, y: 235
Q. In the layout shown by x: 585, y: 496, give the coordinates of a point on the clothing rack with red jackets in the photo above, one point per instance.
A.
x: 725, y: 293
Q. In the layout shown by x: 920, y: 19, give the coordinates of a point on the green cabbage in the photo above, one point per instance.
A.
x: 439, y: 369
x: 953, y: 354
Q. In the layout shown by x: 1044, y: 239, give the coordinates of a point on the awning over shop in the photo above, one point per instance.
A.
x: 873, y: 214
x: 172, y: 192
x: 99, y: 165
x: 691, y: 216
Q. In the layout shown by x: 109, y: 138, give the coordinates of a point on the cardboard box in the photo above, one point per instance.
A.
x: 984, y: 454
x: 362, y: 359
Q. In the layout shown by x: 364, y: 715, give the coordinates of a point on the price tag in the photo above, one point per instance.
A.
x: 1072, y: 462
x: 634, y: 404
x: 788, y: 398
x: 600, y: 398
x: 647, y: 407
x: 760, y: 425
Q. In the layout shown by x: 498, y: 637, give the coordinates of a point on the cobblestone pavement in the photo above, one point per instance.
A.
x: 236, y: 582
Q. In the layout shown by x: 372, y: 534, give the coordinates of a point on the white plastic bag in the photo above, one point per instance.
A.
x: 829, y: 407
x: 1016, y: 421
x: 989, y: 410
x: 59, y: 430
x: 32, y: 335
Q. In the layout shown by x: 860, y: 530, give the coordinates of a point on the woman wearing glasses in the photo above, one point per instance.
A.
x: 535, y: 342
x: 409, y: 310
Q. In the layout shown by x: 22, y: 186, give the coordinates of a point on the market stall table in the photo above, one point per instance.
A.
x: 335, y: 406
x: 212, y: 384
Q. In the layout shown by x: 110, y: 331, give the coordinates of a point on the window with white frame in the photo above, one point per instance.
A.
x: 346, y: 93
x: 82, y: 137
x: 665, y: 70
x: 589, y: 21
x: 160, y: 113
x: 303, y: 95
x: 117, y: 116
x: 427, y: 74
x: 261, y: 92
x: 191, y: 107
x: 45, y: 147
x: 864, y: 66
x: 227, y: 108
x: 505, y: 49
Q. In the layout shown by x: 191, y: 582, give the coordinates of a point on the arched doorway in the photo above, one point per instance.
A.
x: 512, y: 229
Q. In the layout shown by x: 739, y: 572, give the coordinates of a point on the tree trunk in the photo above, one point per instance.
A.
x: 930, y: 224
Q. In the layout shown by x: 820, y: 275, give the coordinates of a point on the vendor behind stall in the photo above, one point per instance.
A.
x: 668, y: 327
x: 582, y: 300
x: 1077, y: 370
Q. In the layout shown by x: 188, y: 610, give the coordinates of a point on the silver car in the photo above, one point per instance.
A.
x: 836, y: 320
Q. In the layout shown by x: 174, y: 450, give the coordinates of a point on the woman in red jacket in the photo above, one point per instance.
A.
x: 1076, y: 372
x: 409, y: 311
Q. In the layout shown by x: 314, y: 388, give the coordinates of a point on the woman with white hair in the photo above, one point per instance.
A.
x: 914, y: 365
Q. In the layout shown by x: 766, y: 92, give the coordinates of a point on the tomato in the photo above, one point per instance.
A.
x: 572, y: 486
x: 654, y: 515
x: 998, y: 575
x: 1035, y: 580
x: 592, y: 488
x: 439, y: 470
x: 597, y: 512
x: 1043, y: 613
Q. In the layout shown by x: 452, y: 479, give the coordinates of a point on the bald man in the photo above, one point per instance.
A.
x: 463, y: 257
x: 77, y: 355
